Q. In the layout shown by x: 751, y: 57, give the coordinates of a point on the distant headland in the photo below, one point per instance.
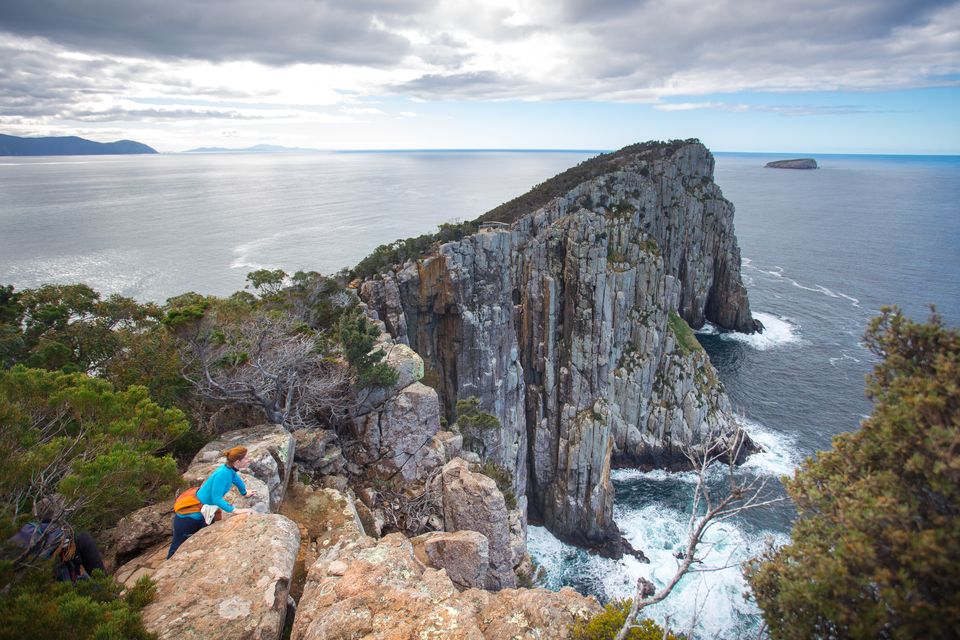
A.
x: 798, y: 163
x: 68, y: 146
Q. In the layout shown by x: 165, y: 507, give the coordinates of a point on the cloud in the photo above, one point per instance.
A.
x: 279, y: 32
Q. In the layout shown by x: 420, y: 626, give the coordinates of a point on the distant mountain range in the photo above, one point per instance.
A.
x: 67, y: 146
x: 260, y: 148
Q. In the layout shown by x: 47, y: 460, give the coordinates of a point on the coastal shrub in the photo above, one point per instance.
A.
x: 875, y: 548
x: 40, y: 608
x: 686, y: 340
x: 472, y: 423
x: 358, y: 335
x: 73, y: 434
x: 606, y: 625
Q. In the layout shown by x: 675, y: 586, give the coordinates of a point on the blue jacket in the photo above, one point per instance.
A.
x: 215, y: 487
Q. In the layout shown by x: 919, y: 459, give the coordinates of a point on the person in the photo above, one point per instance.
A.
x: 212, y: 492
x: 50, y: 537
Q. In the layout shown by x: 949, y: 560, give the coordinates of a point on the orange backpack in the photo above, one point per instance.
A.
x: 187, y: 502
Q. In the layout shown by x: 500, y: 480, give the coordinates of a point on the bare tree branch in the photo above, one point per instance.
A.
x: 741, y: 496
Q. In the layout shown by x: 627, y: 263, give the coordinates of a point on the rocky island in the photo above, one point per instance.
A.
x: 798, y: 163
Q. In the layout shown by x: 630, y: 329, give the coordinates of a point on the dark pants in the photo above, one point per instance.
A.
x: 183, y: 528
x: 87, y: 556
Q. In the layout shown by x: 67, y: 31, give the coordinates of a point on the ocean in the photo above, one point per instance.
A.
x: 822, y: 252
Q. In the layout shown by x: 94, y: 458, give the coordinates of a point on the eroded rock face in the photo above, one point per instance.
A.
x: 472, y: 501
x: 270, y: 450
x: 318, y: 451
x: 569, y: 323
x: 368, y: 590
x: 400, y: 436
x: 229, y: 580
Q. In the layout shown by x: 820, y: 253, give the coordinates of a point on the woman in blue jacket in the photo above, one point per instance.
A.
x: 211, y: 492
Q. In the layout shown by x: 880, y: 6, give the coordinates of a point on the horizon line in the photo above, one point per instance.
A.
x: 226, y: 151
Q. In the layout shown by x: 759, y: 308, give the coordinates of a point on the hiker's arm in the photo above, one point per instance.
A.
x: 242, y: 488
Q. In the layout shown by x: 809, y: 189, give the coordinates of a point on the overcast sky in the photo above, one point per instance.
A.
x: 871, y: 76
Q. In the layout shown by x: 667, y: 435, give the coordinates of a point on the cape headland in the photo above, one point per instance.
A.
x: 68, y: 146
x: 568, y: 314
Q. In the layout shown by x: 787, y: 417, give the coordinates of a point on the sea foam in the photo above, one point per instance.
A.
x: 777, y: 332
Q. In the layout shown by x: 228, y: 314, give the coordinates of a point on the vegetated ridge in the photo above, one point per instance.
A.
x: 68, y: 146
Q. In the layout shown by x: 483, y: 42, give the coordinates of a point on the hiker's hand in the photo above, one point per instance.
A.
x: 250, y: 493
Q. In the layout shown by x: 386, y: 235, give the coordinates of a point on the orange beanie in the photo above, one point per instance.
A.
x: 234, y: 455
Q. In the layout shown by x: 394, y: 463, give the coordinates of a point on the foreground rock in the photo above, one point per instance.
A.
x: 230, y: 580
x: 464, y: 555
x: 369, y: 590
x: 798, y: 163
x: 270, y: 450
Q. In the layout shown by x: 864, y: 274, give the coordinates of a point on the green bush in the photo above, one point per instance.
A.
x: 358, y: 335
x: 471, y: 423
x: 686, y: 340
x: 94, y: 445
x: 40, y: 608
x: 875, y: 550
x: 606, y: 625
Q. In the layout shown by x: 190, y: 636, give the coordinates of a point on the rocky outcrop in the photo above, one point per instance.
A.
x: 472, y: 501
x: 230, y: 580
x: 318, y: 452
x: 799, y: 163
x: 377, y: 590
x: 270, y: 450
x: 464, y: 555
x: 136, y: 533
x: 570, y: 322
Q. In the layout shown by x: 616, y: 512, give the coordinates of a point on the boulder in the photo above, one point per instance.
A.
x: 270, y: 451
x: 399, y: 437
x: 135, y: 533
x: 229, y: 580
x: 473, y: 502
x: 409, y: 367
x: 368, y: 590
x: 465, y: 555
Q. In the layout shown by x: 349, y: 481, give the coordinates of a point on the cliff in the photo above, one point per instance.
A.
x: 68, y: 146
x: 568, y: 317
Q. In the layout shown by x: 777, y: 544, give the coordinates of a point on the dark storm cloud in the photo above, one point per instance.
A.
x: 278, y: 32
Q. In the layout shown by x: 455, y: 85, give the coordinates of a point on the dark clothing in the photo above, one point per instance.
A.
x: 50, y: 541
x: 183, y: 528
x: 87, y: 556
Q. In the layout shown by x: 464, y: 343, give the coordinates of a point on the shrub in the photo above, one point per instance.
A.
x: 686, y: 340
x: 875, y: 548
x: 42, y: 609
x: 471, y: 423
x: 606, y: 625
x: 358, y: 335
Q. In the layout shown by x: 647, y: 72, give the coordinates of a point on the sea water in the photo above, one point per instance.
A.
x: 822, y: 252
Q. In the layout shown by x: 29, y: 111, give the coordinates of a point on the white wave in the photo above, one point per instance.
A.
x: 777, y: 272
x: 777, y: 332
x: 715, y: 597
x: 655, y: 475
x: 780, y: 452
x: 708, y: 329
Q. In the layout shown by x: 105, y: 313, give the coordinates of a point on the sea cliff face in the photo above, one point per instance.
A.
x: 570, y: 322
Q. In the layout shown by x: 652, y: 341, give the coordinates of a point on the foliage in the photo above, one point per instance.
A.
x: 268, y: 283
x: 686, y: 340
x: 42, y: 609
x: 606, y: 625
x: 875, y: 549
x: 66, y: 327
x: 399, y: 251
x: 74, y: 435
x: 472, y: 423
x: 358, y: 335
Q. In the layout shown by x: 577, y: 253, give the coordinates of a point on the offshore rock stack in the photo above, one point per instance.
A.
x: 568, y: 316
